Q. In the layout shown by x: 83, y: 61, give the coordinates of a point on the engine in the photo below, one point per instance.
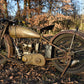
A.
x: 28, y: 46
x: 32, y: 51
x: 28, y: 50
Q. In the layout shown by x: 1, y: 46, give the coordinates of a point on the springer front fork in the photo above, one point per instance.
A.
x: 17, y: 49
x: 3, y: 32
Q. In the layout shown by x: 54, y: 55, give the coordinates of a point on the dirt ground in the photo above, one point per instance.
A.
x: 13, y: 73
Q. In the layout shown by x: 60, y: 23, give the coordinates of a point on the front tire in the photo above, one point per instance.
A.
x: 6, y: 49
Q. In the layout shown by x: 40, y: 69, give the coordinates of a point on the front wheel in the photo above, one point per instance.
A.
x: 64, y: 41
x: 6, y: 49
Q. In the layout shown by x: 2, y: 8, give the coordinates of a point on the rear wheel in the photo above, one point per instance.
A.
x: 64, y: 41
x: 6, y: 49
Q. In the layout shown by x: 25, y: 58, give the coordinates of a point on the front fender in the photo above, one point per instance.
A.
x: 9, y: 45
x: 79, y: 33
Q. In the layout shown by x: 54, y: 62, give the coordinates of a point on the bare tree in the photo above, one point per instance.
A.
x: 5, y: 8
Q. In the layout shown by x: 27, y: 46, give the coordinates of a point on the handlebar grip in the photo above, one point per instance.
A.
x: 4, y: 20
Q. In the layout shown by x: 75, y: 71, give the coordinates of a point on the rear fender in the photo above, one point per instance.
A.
x: 81, y: 34
x: 9, y: 44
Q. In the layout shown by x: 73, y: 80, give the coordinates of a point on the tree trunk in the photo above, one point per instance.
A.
x: 18, y: 12
x: 39, y: 6
x: 50, y: 11
x: 29, y: 11
x: 25, y: 10
x: 5, y: 9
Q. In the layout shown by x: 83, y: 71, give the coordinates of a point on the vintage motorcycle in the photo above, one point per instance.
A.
x: 65, y: 49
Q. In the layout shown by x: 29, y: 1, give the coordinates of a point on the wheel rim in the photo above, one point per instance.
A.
x: 3, y: 51
x: 4, y: 48
x: 64, y: 43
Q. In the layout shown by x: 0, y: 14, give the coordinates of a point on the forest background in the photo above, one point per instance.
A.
x: 64, y: 14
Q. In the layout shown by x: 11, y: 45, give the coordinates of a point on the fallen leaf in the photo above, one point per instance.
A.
x: 11, y: 77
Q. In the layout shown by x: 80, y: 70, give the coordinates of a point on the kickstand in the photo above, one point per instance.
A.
x: 66, y: 68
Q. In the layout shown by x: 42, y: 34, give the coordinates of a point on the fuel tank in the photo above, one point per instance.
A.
x: 22, y: 32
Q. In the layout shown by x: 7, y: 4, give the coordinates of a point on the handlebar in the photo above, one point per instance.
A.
x: 7, y: 20
x: 3, y: 20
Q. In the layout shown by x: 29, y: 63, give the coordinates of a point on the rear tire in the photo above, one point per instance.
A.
x: 63, y: 41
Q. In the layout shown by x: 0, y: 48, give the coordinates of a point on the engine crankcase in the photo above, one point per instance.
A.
x: 34, y: 59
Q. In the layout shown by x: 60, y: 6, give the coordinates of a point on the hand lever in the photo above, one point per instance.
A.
x: 77, y: 29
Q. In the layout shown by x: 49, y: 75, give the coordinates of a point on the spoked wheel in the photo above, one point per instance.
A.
x: 6, y: 49
x: 74, y: 47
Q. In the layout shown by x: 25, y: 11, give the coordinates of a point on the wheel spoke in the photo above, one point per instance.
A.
x: 71, y: 43
x: 2, y: 55
x: 78, y: 51
x: 3, y: 52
